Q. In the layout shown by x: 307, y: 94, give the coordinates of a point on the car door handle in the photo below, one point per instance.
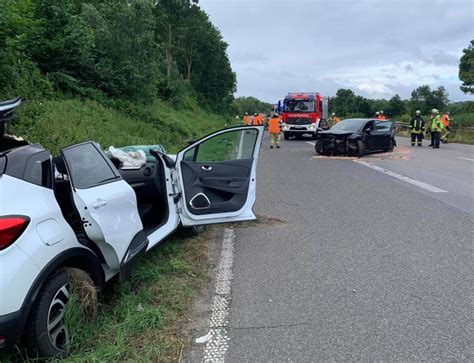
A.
x: 99, y: 204
x: 206, y: 168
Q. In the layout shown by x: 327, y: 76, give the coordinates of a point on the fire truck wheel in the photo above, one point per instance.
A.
x: 286, y: 135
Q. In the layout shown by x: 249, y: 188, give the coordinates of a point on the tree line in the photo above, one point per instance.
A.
x: 347, y: 104
x: 136, y: 50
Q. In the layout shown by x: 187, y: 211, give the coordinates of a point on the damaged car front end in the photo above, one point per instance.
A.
x: 355, y: 137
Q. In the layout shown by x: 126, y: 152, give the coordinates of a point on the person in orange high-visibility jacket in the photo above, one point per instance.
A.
x: 445, y: 119
x: 274, y: 131
x: 257, y: 120
x: 246, y: 119
x: 381, y: 116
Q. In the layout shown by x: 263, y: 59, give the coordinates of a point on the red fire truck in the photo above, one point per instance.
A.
x: 302, y: 113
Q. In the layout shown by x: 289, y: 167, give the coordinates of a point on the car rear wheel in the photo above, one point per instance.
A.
x: 49, y: 329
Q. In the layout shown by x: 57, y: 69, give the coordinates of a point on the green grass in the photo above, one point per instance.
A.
x: 59, y: 123
x: 145, y: 318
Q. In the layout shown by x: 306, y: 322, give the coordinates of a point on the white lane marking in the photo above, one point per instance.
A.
x: 460, y: 157
x: 404, y: 178
x: 218, y: 338
x: 311, y: 143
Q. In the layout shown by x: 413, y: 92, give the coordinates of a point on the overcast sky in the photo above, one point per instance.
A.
x: 376, y: 48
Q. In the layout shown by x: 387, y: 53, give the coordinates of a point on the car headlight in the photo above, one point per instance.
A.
x: 311, y: 127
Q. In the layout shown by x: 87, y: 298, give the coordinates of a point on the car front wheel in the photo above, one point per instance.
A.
x: 360, y: 148
x: 49, y: 329
x: 286, y: 135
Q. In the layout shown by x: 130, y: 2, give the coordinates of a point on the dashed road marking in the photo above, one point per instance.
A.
x: 311, y: 143
x: 218, y: 338
x: 404, y: 178
x: 460, y: 157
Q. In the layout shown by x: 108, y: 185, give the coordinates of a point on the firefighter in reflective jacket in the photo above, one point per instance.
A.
x: 445, y: 120
x: 436, y: 128
x: 417, y: 126
x: 246, y: 119
x: 274, y: 131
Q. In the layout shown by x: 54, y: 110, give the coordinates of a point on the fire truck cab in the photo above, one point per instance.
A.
x: 302, y: 113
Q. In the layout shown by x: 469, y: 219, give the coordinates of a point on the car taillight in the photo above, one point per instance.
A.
x: 11, y: 227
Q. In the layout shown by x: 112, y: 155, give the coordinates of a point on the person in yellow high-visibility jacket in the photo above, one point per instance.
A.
x: 274, y: 131
x: 436, y: 128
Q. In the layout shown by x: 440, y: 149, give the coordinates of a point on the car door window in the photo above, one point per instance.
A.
x: 369, y: 125
x: 382, y: 126
x: 231, y: 145
x: 88, y: 167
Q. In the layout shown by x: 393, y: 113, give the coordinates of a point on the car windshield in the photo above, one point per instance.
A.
x: 299, y: 106
x: 349, y: 125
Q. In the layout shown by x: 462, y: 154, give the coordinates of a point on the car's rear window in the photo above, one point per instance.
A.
x: 29, y: 163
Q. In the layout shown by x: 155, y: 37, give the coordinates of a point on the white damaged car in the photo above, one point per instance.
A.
x: 81, y: 211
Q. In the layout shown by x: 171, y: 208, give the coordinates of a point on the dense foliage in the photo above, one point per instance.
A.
x: 252, y: 105
x: 466, y: 69
x: 347, y: 104
x: 123, y: 49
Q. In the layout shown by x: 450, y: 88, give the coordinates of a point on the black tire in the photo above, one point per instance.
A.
x: 195, y: 231
x: 47, y: 334
x: 286, y: 135
x: 360, y: 148
x: 319, y: 147
x: 391, y: 147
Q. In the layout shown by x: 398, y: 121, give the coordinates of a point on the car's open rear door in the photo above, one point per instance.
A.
x: 106, y: 204
x: 217, y: 176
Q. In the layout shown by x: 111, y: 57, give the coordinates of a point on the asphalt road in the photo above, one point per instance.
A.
x: 363, y: 266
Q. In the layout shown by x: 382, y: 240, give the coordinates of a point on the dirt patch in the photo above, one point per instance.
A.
x: 261, y: 220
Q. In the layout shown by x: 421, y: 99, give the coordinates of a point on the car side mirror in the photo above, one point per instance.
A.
x: 367, y: 131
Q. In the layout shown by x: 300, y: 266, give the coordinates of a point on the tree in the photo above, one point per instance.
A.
x: 171, y: 15
x: 466, y: 69
x: 396, y: 107
x: 422, y: 99
x: 440, y: 98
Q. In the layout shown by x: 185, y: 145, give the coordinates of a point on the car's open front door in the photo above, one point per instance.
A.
x: 106, y: 204
x: 217, y: 176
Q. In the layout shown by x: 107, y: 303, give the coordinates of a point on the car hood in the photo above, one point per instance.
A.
x: 337, y: 132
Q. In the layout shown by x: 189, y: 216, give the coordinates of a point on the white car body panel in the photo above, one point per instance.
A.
x: 112, y: 215
x: 173, y: 218
x: 246, y: 212
x: 21, y: 262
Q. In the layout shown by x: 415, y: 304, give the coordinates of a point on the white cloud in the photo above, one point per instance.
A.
x: 375, y: 47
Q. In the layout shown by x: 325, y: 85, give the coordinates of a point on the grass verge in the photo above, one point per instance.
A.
x: 146, y: 317
x: 58, y: 123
